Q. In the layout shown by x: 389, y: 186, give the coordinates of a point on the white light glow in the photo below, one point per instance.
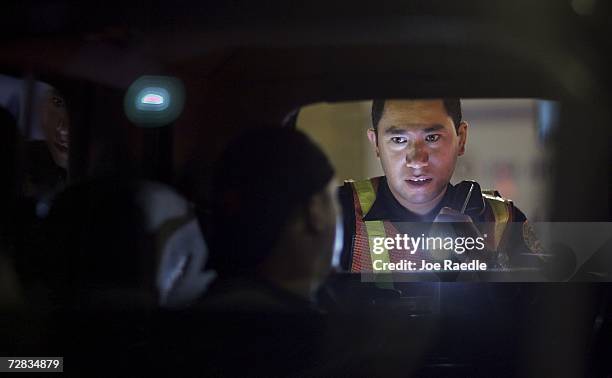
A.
x: 153, y: 99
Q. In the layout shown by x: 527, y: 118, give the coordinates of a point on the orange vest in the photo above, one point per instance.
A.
x: 495, y: 217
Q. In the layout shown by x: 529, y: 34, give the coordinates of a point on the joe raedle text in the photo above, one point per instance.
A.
x: 428, y: 266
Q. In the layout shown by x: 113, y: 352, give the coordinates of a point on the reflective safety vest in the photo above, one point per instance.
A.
x: 495, y: 218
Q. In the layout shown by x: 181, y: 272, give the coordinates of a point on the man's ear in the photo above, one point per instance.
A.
x: 316, y: 212
x: 462, y: 132
x: 373, y: 140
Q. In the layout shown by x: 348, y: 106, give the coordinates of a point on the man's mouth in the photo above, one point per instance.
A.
x: 418, y: 181
x: 62, y: 147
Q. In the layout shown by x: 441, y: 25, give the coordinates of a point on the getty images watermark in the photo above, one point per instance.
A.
x: 437, y: 247
x: 516, y: 252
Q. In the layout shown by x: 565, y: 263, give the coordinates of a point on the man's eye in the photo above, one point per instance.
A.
x: 57, y: 101
x: 399, y: 140
x: 432, y: 138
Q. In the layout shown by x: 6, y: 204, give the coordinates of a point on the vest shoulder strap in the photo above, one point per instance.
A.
x: 502, y: 210
x: 501, y: 207
x: 365, y: 191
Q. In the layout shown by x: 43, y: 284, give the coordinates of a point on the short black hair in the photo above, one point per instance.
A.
x: 452, y: 105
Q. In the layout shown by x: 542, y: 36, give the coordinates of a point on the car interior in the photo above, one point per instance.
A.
x: 147, y: 96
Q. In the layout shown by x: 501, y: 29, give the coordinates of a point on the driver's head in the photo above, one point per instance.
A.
x: 274, y: 206
x: 418, y: 142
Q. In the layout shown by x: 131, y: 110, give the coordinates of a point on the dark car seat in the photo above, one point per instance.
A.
x: 124, y: 243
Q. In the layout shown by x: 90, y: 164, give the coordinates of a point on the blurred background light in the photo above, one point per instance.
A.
x: 548, y: 118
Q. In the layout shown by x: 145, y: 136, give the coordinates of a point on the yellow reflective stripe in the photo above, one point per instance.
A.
x: 366, y: 194
x: 375, y: 229
x: 501, y: 214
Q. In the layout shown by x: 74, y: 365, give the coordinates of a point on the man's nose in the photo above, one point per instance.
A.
x: 62, y: 128
x: 417, y: 156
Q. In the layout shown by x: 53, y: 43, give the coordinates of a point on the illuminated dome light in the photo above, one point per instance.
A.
x: 153, y: 99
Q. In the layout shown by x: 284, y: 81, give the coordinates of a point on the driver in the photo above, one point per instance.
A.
x: 274, y: 229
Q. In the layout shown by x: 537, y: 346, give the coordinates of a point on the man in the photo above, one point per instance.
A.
x: 274, y: 222
x: 50, y: 121
x: 418, y: 143
x: 45, y: 134
x: 272, y: 232
x: 55, y: 122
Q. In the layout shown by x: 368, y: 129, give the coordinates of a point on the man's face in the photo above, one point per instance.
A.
x: 418, y: 147
x: 55, y: 125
